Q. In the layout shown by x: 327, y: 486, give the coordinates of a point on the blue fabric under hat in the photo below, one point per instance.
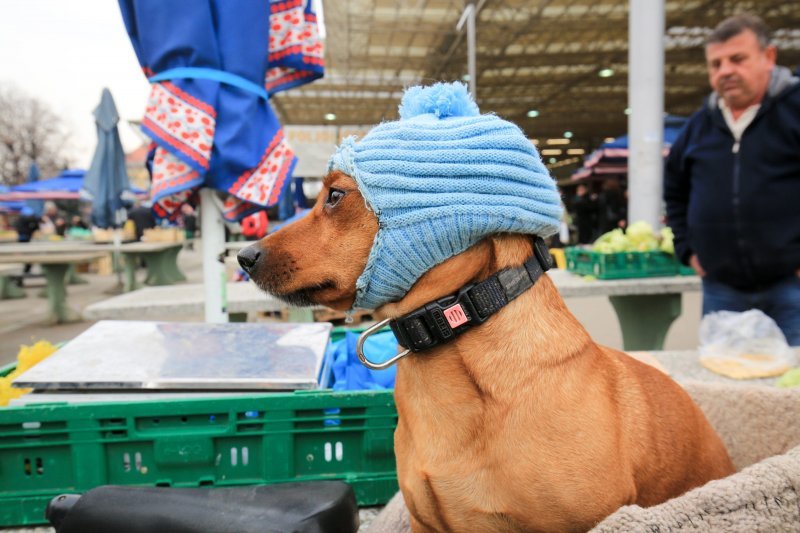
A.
x: 439, y: 180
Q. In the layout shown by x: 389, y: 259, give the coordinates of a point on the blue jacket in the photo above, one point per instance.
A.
x: 738, y: 207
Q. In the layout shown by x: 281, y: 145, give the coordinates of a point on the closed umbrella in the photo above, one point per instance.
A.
x: 106, y: 182
x: 214, y: 65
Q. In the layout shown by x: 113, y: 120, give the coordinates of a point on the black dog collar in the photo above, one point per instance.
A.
x: 442, y: 320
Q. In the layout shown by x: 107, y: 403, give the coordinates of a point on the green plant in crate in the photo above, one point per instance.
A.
x: 639, y: 237
x: 636, y: 252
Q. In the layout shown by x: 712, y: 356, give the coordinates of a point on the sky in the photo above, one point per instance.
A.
x: 64, y: 52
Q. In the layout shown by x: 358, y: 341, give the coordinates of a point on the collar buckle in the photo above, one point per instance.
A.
x: 437, y: 322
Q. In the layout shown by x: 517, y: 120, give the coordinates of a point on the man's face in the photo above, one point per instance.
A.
x: 739, y: 69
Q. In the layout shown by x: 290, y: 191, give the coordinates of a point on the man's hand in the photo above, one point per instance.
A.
x: 694, y: 262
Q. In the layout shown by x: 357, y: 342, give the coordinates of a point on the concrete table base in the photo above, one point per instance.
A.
x: 130, y: 261
x: 9, y: 289
x: 55, y: 267
x: 73, y: 278
x: 162, y: 268
x: 645, y: 319
x: 172, y: 264
x: 60, y: 312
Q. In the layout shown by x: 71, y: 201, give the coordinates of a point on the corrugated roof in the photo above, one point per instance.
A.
x: 543, y: 55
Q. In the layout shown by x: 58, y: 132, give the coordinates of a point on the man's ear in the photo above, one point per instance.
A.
x: 771, y: 51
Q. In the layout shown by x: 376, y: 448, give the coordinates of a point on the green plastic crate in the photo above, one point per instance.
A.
x: 621, y: 265
x: 50, y: 449
x: 684, y: 270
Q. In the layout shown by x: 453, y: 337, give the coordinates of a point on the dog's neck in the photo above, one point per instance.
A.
x: 537, y: 313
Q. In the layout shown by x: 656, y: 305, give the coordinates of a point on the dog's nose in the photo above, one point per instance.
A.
x: 248, y: 257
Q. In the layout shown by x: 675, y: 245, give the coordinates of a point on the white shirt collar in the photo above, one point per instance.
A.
x: 737, y: 126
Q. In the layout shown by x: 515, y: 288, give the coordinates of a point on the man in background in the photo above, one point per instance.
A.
x: 732, y: 179
x: 142, y: 217
x: 27, y: 224
x: 585, y: 207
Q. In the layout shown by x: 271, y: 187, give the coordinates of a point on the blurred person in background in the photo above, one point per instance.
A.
x: 77, y: 222
x: 142, y: 217
x: 52, y: 222
x: 612, y: 207
x: 27, y: 224
x: 584, y: 205
x: 732, y: 179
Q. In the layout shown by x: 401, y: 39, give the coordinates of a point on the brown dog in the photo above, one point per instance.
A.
x: 520, y: 424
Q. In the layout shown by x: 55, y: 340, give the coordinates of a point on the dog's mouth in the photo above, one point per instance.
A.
x: 305, y: 296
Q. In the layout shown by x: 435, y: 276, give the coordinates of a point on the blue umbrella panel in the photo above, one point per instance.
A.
x: 214, y: 65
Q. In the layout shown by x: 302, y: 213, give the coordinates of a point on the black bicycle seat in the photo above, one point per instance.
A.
x: 314, y: 506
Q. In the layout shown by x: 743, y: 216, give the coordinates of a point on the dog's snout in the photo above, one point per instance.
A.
x: 248, y: 257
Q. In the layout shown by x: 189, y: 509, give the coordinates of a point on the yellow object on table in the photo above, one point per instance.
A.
x: 27, y: 357
x: 128, y: 233
x: 745, y: 365
x: 163, y: 235
x: 558, y: 257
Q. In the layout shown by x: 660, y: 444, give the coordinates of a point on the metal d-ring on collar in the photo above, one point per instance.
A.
x: 360, y: 348
x: 442, y: 320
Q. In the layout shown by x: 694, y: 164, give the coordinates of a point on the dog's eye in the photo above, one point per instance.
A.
x: 334, y: 195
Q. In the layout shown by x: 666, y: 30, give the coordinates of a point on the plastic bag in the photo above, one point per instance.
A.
x: 744, y: 345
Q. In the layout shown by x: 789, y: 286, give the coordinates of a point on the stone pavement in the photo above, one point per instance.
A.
x: 22, y: 320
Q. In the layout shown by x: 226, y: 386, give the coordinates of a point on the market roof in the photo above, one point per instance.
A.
x: 544, y: 55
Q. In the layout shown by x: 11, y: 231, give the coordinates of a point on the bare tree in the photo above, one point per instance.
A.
x: 29, y: 132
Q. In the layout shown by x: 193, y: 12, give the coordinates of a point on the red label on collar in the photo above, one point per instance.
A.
x: 455, y: 315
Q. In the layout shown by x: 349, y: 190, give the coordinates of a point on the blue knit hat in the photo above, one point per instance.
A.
x: 439, y: 180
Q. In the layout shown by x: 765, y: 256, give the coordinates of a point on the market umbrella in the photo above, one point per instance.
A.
x: 214, y: 65
x: 106, y: 182
x: 66, y: 186
x: 37, y: 206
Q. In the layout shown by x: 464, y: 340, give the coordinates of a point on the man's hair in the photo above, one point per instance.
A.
x: 733, y: 26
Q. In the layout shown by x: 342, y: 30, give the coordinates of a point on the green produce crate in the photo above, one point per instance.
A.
x: 50, y: 449
x: 684, y: 270
x: 621, y: 265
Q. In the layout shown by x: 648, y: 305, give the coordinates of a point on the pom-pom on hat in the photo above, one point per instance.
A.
x: 439, y: 180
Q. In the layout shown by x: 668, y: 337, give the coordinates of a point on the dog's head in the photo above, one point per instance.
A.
x: 407, y: 197
x: 317, y: 259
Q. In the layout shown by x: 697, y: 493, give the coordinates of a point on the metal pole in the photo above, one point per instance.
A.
x: 646, y: 102
x: 213, y: 237
x: 468, y: 16
x: 471, y: 51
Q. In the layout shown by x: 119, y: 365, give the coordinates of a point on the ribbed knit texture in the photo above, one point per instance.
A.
x: 439, y: 180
